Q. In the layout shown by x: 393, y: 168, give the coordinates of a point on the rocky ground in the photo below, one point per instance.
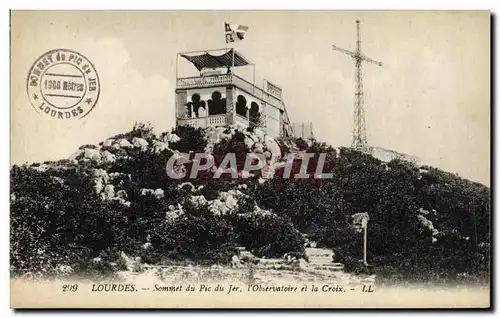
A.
x: 248, y: 269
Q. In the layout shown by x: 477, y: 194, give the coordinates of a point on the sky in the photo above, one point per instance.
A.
x: 430, y: 99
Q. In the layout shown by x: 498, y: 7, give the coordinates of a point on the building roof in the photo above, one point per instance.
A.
x: 208, y: 60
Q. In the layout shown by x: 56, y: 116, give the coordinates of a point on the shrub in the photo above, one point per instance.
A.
x: 201, y: 237
x: 234, y: 145
x: 140, y: 130
x: 191, y: 139
x: 301, y: 144
x: 267, y: 235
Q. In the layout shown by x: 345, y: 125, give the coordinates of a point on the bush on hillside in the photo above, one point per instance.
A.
x: 191, y: 139
x: 199, y: 236
x: 56, y: 219
x: 267, y: 235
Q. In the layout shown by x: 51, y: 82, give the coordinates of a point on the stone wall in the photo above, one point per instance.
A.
x: 230, y: 105
x: 180, y: 104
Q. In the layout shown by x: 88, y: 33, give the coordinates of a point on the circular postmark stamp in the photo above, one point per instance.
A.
x: 63, y: 84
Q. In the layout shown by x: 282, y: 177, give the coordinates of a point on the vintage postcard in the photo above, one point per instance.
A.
x: 250, y: 159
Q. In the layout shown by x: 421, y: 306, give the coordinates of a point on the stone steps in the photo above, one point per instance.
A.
x: 320, y: 261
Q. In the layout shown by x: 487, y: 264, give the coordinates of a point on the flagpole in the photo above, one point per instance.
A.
x: 232, y: 68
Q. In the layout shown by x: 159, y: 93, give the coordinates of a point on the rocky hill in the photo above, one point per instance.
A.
x: 111, y: 202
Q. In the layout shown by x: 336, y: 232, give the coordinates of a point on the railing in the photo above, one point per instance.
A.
x: 226, y: 79
x: 198, y: 81
x: 193, y: 122
x: 204, y: 122
x: 220, y: 120
x: 273, y: 90
x: 255, y: 90
x: 217, y: 120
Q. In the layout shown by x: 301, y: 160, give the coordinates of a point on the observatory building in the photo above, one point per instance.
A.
x: 216, y: 96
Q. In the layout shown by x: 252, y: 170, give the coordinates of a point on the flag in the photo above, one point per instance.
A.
x: 235, y: 32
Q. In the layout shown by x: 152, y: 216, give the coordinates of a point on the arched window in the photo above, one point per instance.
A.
x: 195, y: 105
x: 241, y: 106
x: 254, y: 114
x: 216, y: 105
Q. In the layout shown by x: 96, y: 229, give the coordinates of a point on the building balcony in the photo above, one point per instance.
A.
x: 271, y: 96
